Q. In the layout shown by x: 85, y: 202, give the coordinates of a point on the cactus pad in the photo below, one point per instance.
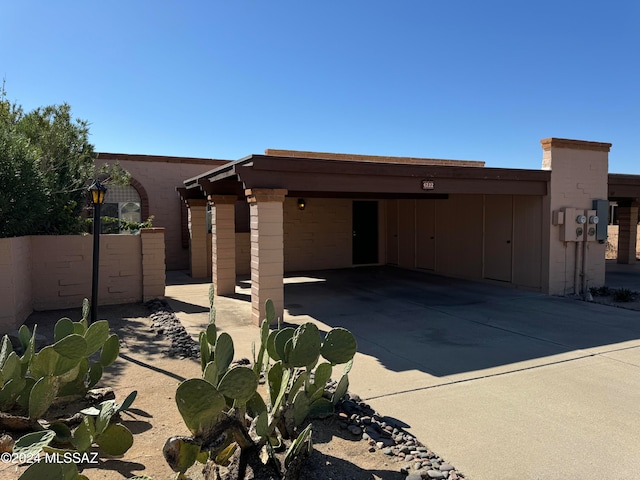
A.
x: 40, y: 470
x: 211, y: 373
x: 305, y: 346
x: 24, y: 335
x: 300, y: 407
x: 96, y: 335
x: 339, y: 346
x: 42, y: 395
x: 280, y: 341
x: 320, y: 408
x: 270, y: 311
x: 110, y: 350
x: 223, y: 352
x: 271, y: 345
x: 199, y: 403
x: 115, y: 440
x: 212, y: 333
x: 32, y: 444
x: 95, y: 374
x: 239, y: 383
x: 322, y: 375
x: 205, y: 351
x: 63, y: 327
x: 48, y: 362
x: 83, y: 435
x: 341, y: 389
x: 72, y: 346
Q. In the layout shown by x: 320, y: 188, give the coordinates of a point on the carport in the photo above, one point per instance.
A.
x: 311, y: 211
x: 453, y: 218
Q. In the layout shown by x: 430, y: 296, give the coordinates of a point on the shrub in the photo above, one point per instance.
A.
x: 623, y: 295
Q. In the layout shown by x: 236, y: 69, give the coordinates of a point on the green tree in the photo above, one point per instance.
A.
x: 46, y: 164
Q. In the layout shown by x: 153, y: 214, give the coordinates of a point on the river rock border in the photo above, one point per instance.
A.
x: 386, y: 435
x: 164, y: 322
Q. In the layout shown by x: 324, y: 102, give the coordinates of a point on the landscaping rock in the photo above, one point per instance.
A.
x: 165, y: 322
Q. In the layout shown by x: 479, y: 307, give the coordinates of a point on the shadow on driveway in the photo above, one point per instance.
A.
x: 445, y: 326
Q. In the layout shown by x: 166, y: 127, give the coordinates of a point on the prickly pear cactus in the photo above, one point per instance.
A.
x: 34, y: 381
x: 214, y: 407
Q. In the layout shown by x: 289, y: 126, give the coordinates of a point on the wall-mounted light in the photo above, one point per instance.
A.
x: 301, y: 204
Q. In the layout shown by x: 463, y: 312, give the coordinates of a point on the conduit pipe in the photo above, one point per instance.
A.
x: 585, y: 249
x: 576, y: 270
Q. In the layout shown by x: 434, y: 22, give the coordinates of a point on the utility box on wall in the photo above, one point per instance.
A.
x: 573, y: 227
x: 602, y: 212
x: 592, y: 223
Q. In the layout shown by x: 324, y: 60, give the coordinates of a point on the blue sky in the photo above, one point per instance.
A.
x: 434, y: 78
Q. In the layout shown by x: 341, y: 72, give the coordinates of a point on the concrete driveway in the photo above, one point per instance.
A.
x: 503, y: 383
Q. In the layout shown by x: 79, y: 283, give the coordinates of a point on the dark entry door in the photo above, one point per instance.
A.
x: 365, y: 232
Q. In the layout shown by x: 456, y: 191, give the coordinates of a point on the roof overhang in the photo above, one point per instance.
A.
x: 331, y: 178
x: 624, y: 188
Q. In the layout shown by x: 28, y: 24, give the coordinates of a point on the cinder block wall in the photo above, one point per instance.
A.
x: 54, y: 272
x: 318, y: 237
x: 153, y: 263
x: 62, y: 269
x: 16, y: 295
x: 579, y: 175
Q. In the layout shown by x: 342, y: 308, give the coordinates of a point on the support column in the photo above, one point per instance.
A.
x: 627, y: 234
x: 223, y: 243
x: 267, y: 251
x: 198, y: 237
x: 579, y: 175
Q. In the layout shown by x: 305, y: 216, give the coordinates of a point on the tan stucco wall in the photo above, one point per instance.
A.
x: 578, y: 176
x: 318, y: 237
x: 16, y: 294
x: 160, y: 180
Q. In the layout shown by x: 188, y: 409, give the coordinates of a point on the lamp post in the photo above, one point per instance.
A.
x: 97, y: 191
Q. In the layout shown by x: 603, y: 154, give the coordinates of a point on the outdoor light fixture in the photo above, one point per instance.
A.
x: 301, y: 204
x: 97, y: 191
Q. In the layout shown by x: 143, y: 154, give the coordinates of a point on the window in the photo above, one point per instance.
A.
x: 121, y: 203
